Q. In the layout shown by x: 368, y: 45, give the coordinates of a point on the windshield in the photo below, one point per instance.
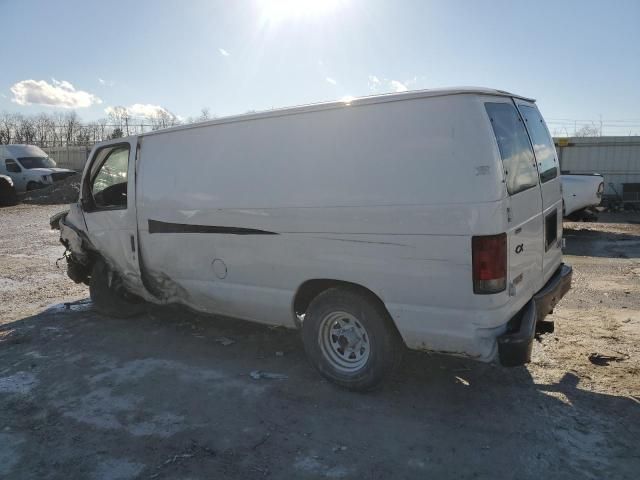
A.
x: 36, y: 162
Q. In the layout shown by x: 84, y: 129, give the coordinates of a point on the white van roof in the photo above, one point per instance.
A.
x: 355, y: 101
x: 21, y: 150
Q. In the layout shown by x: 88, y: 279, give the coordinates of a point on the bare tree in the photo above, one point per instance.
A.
x: 82, y: 135
x: 204, y: 115
x: 120, y: 117
x: 163, y: 119
x: 102, y: 125
x: 66, y: 128
x: 71, y: 127
x: 25, y: 130
x: 45, y: 129
x: 7, y: 127
x: 59, y: 132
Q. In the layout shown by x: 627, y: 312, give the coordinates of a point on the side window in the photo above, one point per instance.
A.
x: 513, y: 142
x: 109, y: 177
x: 542, y: 144
x: 12, y: 166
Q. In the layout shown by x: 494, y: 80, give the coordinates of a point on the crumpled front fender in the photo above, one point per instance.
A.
x: 74, y: 237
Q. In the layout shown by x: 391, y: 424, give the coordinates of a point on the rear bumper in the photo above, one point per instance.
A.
x: 514, y: 346
x: 556, y: 288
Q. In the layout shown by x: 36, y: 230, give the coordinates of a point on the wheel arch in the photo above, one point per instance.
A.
x: 310, y: 289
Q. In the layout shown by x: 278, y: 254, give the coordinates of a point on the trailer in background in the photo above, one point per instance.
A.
x: 617, y: 159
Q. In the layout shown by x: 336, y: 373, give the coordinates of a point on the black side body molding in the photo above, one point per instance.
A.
x: 156, y: 226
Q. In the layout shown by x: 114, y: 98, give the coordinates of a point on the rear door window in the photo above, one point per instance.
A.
x: 515, y: 149
x: 542, y: 144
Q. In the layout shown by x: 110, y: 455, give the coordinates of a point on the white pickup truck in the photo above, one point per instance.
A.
x: 579, y: 192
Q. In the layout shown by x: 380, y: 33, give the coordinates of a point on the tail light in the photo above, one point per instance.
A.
x: 600, y: 190
x: 489, y: 258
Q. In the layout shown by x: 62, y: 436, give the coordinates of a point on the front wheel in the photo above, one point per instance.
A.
x: 351, y: 339
x: 109, y: 297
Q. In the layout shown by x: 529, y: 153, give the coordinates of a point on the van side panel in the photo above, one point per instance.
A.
x: 415, y: 152
x: 383, y: 195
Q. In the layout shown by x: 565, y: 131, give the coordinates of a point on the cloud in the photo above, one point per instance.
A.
x: 56, y: 94
x: 223, y: 52
x: 398, y: 86
x: 331, y: 81
x: 140, y: 110
x: 106, y: 83
x: 3, y: 95
x: 378, y: 85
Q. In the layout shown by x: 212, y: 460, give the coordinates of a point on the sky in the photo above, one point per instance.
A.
x: 579, y: 59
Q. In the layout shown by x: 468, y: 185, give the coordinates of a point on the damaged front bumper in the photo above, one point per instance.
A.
x: 78, y: 256
x: 514, y: 346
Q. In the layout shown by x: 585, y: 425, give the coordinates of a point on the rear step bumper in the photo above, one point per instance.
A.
x: 514, y: 346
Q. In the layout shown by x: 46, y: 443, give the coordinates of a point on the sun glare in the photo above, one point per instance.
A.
x: 276, y: 11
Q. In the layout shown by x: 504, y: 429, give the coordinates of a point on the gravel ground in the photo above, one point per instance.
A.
x: 169, y: 395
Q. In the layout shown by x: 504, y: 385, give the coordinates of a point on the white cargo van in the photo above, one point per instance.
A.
x: 431, y: 219
x: 29, y: 167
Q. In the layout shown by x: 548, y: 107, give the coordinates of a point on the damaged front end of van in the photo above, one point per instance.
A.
x: 79, y: 252
x: 108, y: 289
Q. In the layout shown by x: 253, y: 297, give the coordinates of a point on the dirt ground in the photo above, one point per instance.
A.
x: 169, y: 395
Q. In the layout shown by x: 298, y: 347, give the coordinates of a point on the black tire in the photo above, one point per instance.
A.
x: 110, y: 301
x: 384, y: 343
x: 8, y: 195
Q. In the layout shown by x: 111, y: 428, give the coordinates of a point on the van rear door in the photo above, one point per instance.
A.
x: 549, y: 172
x: 524, y: 201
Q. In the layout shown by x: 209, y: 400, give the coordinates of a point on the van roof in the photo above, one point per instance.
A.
x: 21, y: 149
x: 351, y: 101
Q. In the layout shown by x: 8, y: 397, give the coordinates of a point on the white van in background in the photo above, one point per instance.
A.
x: 29, y: 167
x: 431, y: 219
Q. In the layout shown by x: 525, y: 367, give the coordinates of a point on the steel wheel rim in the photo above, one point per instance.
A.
x: 344, y: 341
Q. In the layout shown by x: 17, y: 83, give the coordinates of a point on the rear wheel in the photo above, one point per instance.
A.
x: 350, y: 339
x: 109, y: 296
